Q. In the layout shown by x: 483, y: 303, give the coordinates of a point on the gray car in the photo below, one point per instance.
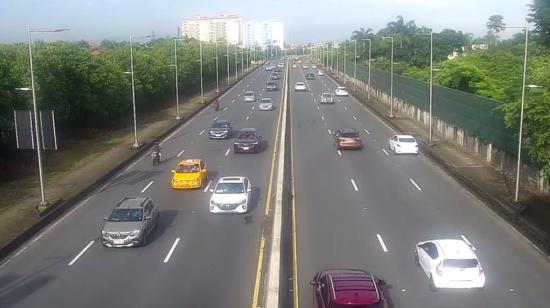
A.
x: 130, y: 223
x: 220, y: 129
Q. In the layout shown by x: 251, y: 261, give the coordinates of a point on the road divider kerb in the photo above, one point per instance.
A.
x: 73, y: 261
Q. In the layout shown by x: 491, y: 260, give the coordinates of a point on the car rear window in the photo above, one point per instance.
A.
x: 188, y: 168
x: 350, y: 135
x: 246, y: 135
x: 326, y: 95
x: 407, y: 140
x: 460, y: 263
x: 249, y: 93
x: 220, y: 125
x: 266, y: 100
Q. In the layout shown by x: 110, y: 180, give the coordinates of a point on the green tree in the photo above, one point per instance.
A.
x: 540, y: 16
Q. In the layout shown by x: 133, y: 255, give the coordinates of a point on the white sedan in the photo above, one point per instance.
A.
x: 266, y: 104
x: 341, y: 91
x: 300, y: 86
x: 449, y: 263
x: 403, y: 144
x: 231, y: 195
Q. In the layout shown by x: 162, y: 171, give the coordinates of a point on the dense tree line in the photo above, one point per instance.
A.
x: 494, y: 73
x: 88, y: 88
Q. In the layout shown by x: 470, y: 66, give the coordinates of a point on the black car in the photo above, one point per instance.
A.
x: 310, y: 76
x: 275, y: 77
x: 277, y: 69
x: 220, y: 129
x: 247, y: 140
x: 271, y: 86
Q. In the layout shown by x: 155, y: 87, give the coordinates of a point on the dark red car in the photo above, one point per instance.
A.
x: 347, y: 138
x: 347, y: 288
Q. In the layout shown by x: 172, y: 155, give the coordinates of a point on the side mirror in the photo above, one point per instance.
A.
x: 211, y: 190
x: 313, y: 283
x: 381, y: 282
x: 249, y: 189
x: 173, y: 171
x: 106, y: 218
x: 148, y: 217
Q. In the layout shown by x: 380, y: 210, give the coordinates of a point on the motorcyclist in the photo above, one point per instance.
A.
x: 216, y: 104
x: 156, y: 150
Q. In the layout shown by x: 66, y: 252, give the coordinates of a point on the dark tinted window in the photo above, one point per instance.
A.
x: 126, y: 215
x: 430, y: 249
x: 350, y: 135
x: 220, y: 124
x: 460, y: 263
x: 246, y: 135
x: 407, y: 140
x: 188, y: 168
x: 230, y: 188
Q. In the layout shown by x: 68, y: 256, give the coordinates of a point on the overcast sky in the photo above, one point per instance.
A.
x: 305, y: 20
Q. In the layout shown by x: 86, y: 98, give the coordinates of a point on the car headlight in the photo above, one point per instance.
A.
x: 241, y: 202
x: 135, y: 232
x: 215, y: 203
x: 103, y: 233
x: 196, y: 180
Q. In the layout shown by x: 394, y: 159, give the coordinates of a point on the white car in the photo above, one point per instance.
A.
x: 280, y: 65
x: 449, y: 263
x: 341, y: 91
x: 300, y: 86
x: 249, y: 96
x: 313, y: 66
x: 266, y: 104
x: 326, y: 98
x: 231, y: 195
x: 305, y: 66
x: 403, y: 144
x: 320, y: 73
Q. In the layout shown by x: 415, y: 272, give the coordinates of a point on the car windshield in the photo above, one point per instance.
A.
x: 460, y: 263
x: 326, y: 95
x: 229, y: 188
x: 266, y: 100
x: 188, y: 168
x: 246, y: 135
x: 249, y: 94
x: 126, y: 215
x: 220, y: 125
x: 341, y: 88
x: 299, y: 84
x: 350, y: 135
x: 407, y: 140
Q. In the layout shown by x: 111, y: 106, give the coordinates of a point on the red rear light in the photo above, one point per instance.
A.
x: 439, y: 268
x: 481, y: 270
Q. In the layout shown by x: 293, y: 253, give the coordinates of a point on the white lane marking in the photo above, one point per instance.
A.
x: 225, y: 108
x: 314, y: 100
x: 17, y: 254
x: 339, y: 152
x: 317, y: 107
x: 354, y: 185
x: 366, y: 131
x: 385, y: 152
x: 208, y: 186
x: 227, y: 152
x: 214, y: 119
x: 202, y: 132
x: 345, y: 107
x: 252, y: 107
x: 171, y: 251
x: 233, y: 101
x: 81, y: 253
x: 329, y: 131
x: 415, y: 185
x: 468, y: 242
x: 247, y: 117
x: 354, y: 117
x: 179, y: 154
x: 146, y: 187
x: 382, y: 243
x: 323, y: 117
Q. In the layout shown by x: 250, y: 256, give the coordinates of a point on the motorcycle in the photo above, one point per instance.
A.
x: 156, y: 157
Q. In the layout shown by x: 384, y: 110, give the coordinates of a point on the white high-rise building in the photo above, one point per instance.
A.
x: 227, y: 28
x: 263, y: 34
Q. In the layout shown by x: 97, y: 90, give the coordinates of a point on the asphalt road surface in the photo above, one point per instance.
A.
x: 367, y: 209
x: 215, y: 259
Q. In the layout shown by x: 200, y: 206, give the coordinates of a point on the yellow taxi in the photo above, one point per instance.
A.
x: 189, y: 173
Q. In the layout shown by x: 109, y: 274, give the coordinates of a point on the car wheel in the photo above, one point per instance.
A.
x: 432, y: 285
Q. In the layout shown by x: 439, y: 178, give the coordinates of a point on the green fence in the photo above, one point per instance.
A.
x: 477, y: 115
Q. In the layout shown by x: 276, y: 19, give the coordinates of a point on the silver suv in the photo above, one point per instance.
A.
x: 130, y: 223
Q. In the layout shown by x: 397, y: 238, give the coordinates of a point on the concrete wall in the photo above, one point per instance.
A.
x: 501, y: 160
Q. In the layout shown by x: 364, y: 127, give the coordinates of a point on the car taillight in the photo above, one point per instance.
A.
x: 481, y: 270
x: 439, y: 268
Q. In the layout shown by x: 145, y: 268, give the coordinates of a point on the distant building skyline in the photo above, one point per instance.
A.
x: 264, y: 33
x: 226, y: 28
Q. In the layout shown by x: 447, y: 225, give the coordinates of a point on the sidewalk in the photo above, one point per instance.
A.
x: 493, y: 188
x: 83, y: 162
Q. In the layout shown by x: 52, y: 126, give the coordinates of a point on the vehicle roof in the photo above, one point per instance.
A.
x: 455, y: 249
x: 248, y: 92
x: 404, y: 136
x: 131, y: 203
x: 248, y: 129
x: 340, y: 87
x: 326, y: 93
x: 299, y: 82
x: 348, y: 130
x: 191, y: 161
x: 353, y: 287
x: 266, y: 99
x: 231, y: 179
x: 221, y: 121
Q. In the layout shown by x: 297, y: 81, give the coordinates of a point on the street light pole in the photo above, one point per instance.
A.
x: 370, y: 43
x: 345, y: 57
x: 200, y: 55
x: 242, y: 61
x: 337, y: 61
x: 391, y: 76
x: 430, y: 120
x: 136, y: 143
x: 217, y: 70
x: 35, y: 112
x: 178, y: 117
x: 236, y: 67
x: 227, y: 55
x: 355, y: 66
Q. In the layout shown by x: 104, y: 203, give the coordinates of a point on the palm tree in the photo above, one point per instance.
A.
x: 361, y: 34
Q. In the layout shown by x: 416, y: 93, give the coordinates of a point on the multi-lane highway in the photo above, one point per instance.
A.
x: 367, y: 209
x: 193, y: 259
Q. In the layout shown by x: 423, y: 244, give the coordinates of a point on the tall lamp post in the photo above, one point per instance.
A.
x: 217, y: 70
x: 391, y: 76
x: 355, y: 65
x: 200, y: 60
x: 345, y: 57
x: 236, y: 67
x: 430, y: 130
x: 370, y: 43
x: 35, y: 109
x: 337, y: 61
x: 227, y: 55
x: 178, y: 117
x: 242, y: 61
x: 136, y: 143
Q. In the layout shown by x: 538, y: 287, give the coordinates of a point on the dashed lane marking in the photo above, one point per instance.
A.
x: 384, y: 248
x: 207, y: 186
x: 354, y: 185
x: 73, y: 261
x: 179, y: 154
x: 415, y: 185
x: 146, y: 187
x: 171, y: 251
